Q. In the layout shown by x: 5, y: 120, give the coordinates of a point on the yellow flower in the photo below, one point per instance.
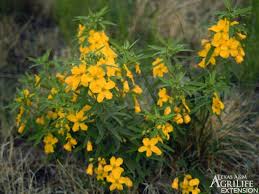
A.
x: 221, y: 26
x: 86, y: 108
x: 137, y: 105
x: 114, y: 165
x: 149, y: 146
x: 167, y: 128
x: 49, y: 141
x: 167, y: 110
x: 19, y: 116
x: 203, y: 53
x: 94, y: 73
x: 116, y: 180
x: 127, y: 181
x: 194, y: 182
x: 185, y: 105
x: 26, y: 93
x: 217, y: 104
x: 178, y: 118
x: 89, y: 146
x: 126, y: 87
x: 61, y: 114
x: 81, y: 29
x: 188, y: 176
x: 137, y: 69
x: 71, y: 142
x: 137, y: 89
x: 40, y: 120
x: 185, y: 183
x: 101, y: 160
x: 89, y: 170
x: 99, y: 171
x: 102, y: 89
x: 177, y: 109
x: 159, y: 68
x: 52, y: 115
x: 78, y: 74
x: 163, y: 97
x: 188, y: 185
x: 175, y: 183
x: 21, y: 128
x: 60, y: 77
x: 196, y: 191
x: 129, y: 74
x: 186, y: 118
x: 37, y: 79
x: 241, y: 36
x: 78, y: 119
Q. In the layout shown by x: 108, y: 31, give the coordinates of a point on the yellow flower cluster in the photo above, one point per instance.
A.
x: 159, y: 68
x: 49, y: 141
x: 94, y: 74
x: 71, y: 142
x: 98, y: 43
x: 62, y: 122
x: 26, y: 100
x: 222, y: 44
x: 137, y: 90
x: 182, y: 114
x: 19, y: 124
x: 78, y: 120
x: 97, y: 74
x: 112, y: 172
x: 163, y: 97
x: 217, y: 104
x: 188, y: 185
x: 166, y: 129
x: 149, y: 146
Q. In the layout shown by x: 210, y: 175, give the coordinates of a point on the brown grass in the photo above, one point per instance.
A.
x: 25, y: 169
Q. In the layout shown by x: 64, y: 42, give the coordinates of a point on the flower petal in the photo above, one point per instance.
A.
x: 156, y: 150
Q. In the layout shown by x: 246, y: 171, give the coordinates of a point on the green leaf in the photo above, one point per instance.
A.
x: 209, y: 54
x: 101, y: 131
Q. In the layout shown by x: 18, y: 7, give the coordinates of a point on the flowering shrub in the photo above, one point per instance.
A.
x: 121, y: 111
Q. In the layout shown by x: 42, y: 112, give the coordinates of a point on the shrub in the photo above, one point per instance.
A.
x: 125, y: 118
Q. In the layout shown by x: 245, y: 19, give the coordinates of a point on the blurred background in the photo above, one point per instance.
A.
x: 28, y: 28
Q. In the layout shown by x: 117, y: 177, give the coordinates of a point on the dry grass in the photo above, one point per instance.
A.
x: 184, y: 20
x: 25, y: 169
x: 238, y: 136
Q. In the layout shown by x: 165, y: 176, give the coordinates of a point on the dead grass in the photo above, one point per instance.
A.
x: 238, y: 136
x: 183, y: 20
x: 25, y: 169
